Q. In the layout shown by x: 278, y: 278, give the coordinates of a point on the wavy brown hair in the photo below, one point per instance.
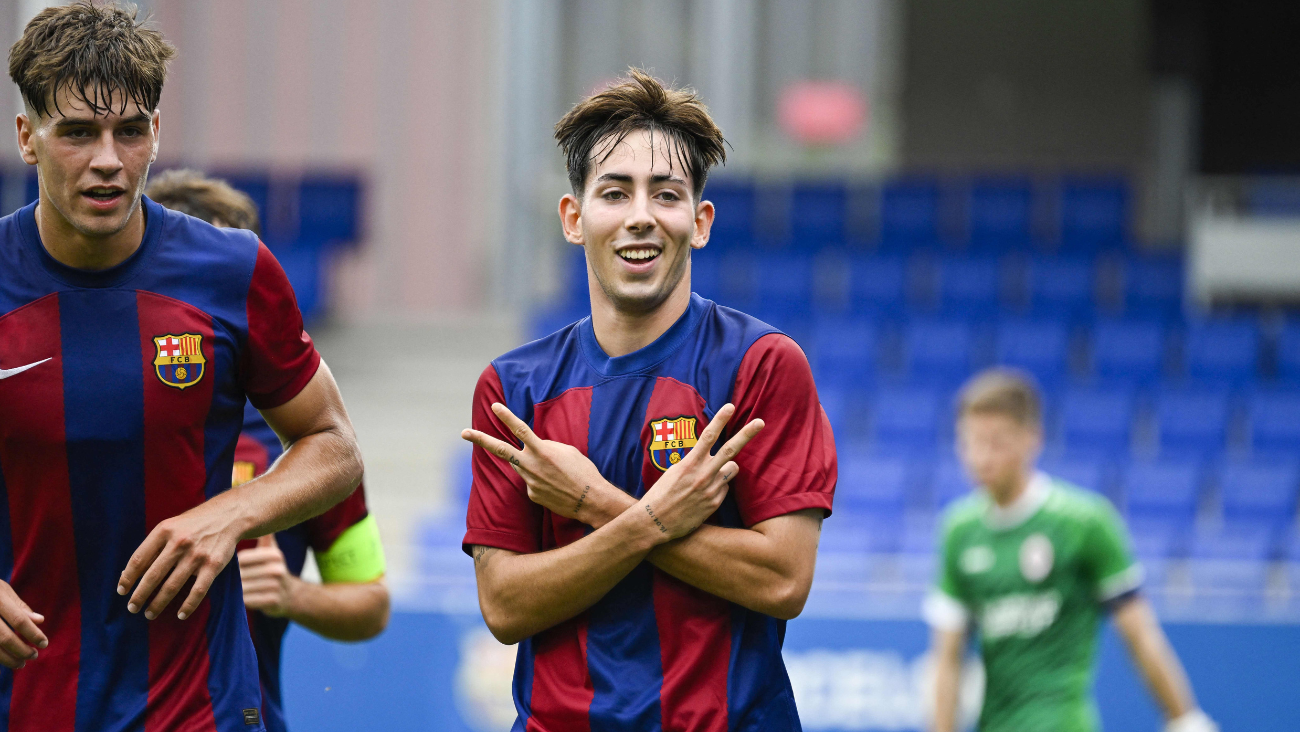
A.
x: 595, y: 126
x: 211, y: 199
x: 103, y: 53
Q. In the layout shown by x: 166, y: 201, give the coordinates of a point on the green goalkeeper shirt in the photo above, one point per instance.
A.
x: 1034, y: 579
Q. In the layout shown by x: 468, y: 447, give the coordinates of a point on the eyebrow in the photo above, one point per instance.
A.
x: 623, y: 178
x: 77, y: 121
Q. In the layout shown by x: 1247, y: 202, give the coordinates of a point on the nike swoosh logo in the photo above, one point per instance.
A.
x: 6, y: 373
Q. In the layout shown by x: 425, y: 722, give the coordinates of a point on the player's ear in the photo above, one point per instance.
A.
x: 154, y: 123
x: 571, y: 218
x: 26, y: 129
x: 703, y: 224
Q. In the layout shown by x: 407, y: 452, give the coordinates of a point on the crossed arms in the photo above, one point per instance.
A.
x: 767, y: 568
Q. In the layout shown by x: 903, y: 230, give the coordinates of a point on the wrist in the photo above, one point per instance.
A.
x: 603, y: 503
x: 294, y: 588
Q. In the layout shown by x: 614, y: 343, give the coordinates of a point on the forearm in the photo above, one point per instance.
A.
x: 340, y: 611
x: 315, y: 472
x: 1155, y: 658
x: 523, y: 594
x: 947, y: 679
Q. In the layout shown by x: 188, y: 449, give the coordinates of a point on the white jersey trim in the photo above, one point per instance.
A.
x: 1120, y: 583
x: 944, y: 612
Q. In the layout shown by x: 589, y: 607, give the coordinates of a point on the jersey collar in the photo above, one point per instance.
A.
x: 111, y: 277
x: 1023, y: 508
x: 644, y: 358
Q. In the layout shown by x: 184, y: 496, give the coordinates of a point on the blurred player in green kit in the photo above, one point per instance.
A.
x: 1034, y: 564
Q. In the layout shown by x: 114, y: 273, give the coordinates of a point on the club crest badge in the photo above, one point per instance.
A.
x: 670, y: 440
x: 244, y: 471
x: 180, y: 361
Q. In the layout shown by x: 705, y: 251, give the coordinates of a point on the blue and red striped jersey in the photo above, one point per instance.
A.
x: 655, y: 653
x: 257, y: 450
x: 120, y: 407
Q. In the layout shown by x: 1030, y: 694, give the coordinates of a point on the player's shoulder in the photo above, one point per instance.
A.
x: 202, y: 244
x: 538, y: 358
x: 1071, y: 502
x: 745, y: 332
x: 964, y: 513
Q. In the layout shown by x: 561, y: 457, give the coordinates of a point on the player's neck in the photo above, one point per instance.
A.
x: 75, y: 249
x: 619, y: 332
x: 1007, y: 495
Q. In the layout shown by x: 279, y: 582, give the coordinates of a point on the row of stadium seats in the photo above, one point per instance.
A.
x: 1186, y: 423
x: 1073, y: 213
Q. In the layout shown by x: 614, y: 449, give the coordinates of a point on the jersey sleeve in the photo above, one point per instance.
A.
x: 279, y: 358
x: 790, y: 466
x: 1108, y: 555
x: 945, y: 607
x: 500, y: 514
x: 326, y: 528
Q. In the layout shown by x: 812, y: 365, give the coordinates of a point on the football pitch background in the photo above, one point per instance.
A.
x: 442, y: 672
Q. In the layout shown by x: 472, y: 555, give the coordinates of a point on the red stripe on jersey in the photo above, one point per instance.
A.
x: 174, y: 479
x: 560, y: 654
x: 280, y: 359
x: 33, y: 455
x: 693, y: 624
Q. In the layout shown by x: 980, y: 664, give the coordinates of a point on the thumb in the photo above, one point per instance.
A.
x: 268, y: 540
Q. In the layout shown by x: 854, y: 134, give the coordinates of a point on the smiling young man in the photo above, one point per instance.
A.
x: 1035, y: 564
x: 646, y: 580
x: 130, y: 338
x: 351, y: 602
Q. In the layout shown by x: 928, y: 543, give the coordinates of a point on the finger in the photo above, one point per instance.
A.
x: 502, y: 450
x: 202, y: 584
x: 141, y: 560
x: 158, y: 571
x: 267, y: 570
x: 737, y: 442
x: 10, y: 662
x: 712, y: 432
x: 24, y: 624
x: 267, y: 542
x: 254, y: 557
x: 517, y: 426
x: 175, y: 581
x: 261, y: 584
x: 14, y: 647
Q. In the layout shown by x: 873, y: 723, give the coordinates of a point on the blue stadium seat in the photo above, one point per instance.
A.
x: 1192, y: 422
x: 1273, y: 418
x: 905, y: 420
x: 877, y: 285
x: 937, y: 351
x: 1288, y: 353
x: 968, y: 285
x: 329, y: 209
x: 1097, y: 421
x: 1239, y: 540
x: 1158, y: 537
x: 706, y: 273
x: 1041, y: 347
x: 783, y: 283
x: 818, y: 213
x: 870, y: 484
x: 258, y: 187
x: 949, y: 482
x: 844, y: 352
x: 1094, y: 213
x: 1062, y: 287
x: 1082, y: 471
x: 733, y: 224
x: 1161, y: 488
x: 1127, y: 351
x: 1153, y: 287
x: 1262, y: 490
x: 909, y: 213
x: 1222, y: 351
x: 1000, y: 214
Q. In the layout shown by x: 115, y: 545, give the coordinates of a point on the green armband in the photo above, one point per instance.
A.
x: 356, y: 556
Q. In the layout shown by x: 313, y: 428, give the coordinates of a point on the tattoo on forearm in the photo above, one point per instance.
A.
x: 655, y: 519
x: 581, y: 499
x: 481, y: 552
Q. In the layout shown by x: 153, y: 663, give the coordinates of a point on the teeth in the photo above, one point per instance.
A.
x: 639, y: 254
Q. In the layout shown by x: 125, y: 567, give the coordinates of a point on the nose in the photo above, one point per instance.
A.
x: 639, y: 221
x: 106, y: 161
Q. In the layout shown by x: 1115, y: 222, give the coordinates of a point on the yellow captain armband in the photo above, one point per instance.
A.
x: 356, y: 556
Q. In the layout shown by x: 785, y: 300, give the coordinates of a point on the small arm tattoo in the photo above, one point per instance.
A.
x: 655, y: 519
x: 581, y: 500
x: 481, y: 552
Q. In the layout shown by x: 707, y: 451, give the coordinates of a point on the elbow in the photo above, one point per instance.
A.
x: 789, y: 598
x: 382, y: 613
x: 505, y: 629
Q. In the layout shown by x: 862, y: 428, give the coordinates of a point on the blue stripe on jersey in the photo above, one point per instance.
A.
x: 103, y: 386
x: 623, y: 654
x: 230, y: 652
x: 6, y: 572
x: 522, y: 688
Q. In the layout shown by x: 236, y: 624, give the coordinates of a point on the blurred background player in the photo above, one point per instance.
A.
x: 590, y: 543
x: 351, y: 603
x: 130, y: 340
x: 1034, y: 564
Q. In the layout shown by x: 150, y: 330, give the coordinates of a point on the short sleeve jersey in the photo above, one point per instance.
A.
x: 655, y: 653
x: 121, y: 400
x: 1035, y: 591
x: 258, y: 449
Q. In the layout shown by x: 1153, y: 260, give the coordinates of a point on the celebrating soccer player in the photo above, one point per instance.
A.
x: 130, y: 338
x: 352, y: 603
x: 1034, y: 564
x: 647, y: 579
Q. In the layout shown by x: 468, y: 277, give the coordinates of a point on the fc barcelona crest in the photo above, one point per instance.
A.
x: 670, y: 440
x: 180, y: 361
